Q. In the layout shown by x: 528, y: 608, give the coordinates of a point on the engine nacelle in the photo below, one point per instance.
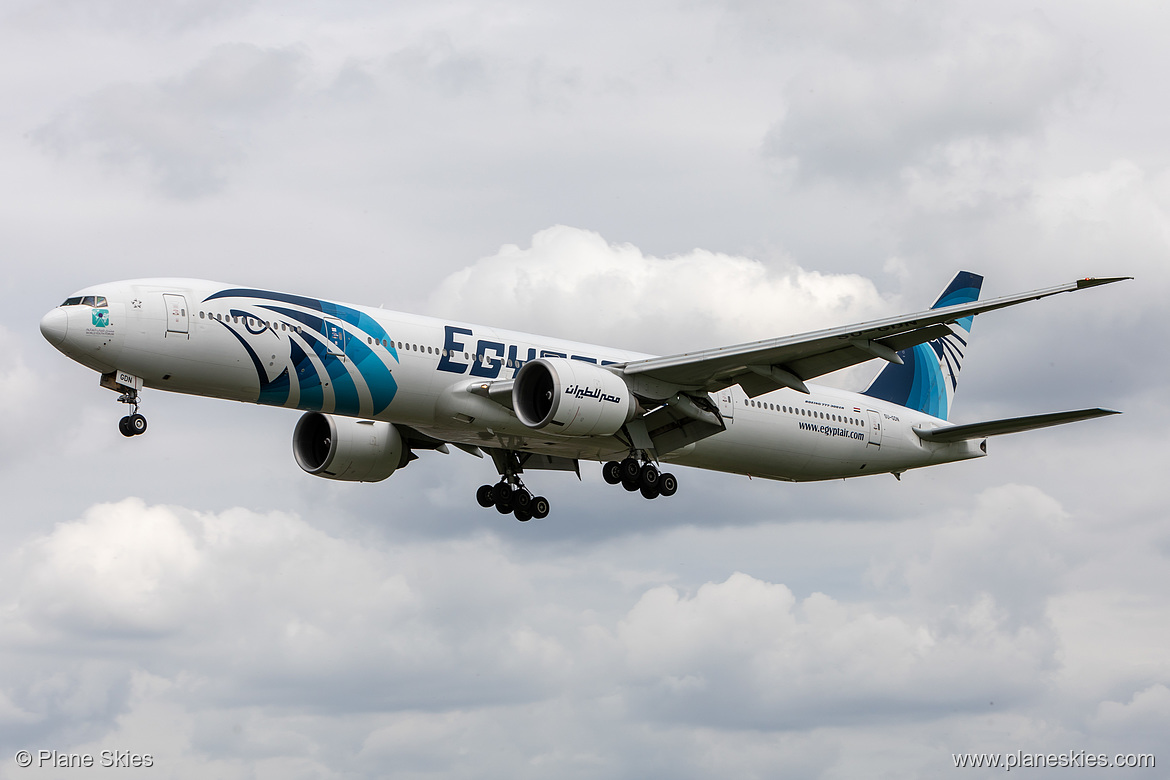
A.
x: 348, y: 449
x: 571, y: 398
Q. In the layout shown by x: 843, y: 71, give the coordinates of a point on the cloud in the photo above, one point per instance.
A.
x: 854, y: 116
x: 570, y: 276
x: 1013, y: 549
x: 186, y: 134
x: 263, y: 613
x: 434, y: 62
x: 1145, y: 716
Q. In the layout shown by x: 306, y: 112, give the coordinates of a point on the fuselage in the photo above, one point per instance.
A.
x: 261, y: 346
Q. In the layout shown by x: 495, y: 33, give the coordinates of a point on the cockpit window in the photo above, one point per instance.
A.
x: 88, y: 300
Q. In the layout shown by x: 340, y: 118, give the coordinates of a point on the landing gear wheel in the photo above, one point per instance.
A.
x: 137, y: 424
x: 630, y: 469
x: 649, y: 491
x: 485, y: 496
x: 540, y: 507
x: 124, y: 427
x: 648, y: 478
x: 504, y: 507
x: 612, y: 472
x: 522, y: 499
x: 630, y: 484
x: 667, y: 485
x: 523, y: 515
x: 502, y: 493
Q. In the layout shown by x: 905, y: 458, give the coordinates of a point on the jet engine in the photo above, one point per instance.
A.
x: 571, y: 398
x: 348, y: 449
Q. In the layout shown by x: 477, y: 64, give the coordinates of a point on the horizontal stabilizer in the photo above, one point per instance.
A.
x: 1010, y: 425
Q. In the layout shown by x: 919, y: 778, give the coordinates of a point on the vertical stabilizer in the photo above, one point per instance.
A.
x: 929, y: 375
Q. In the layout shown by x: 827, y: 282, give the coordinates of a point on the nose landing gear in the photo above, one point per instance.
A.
x: 134, y: 423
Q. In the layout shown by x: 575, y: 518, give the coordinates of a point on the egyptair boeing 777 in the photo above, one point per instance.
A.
x: 379, y: 386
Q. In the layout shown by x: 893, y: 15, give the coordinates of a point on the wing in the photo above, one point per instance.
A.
x: 763, y: 366
x: 982, y: 430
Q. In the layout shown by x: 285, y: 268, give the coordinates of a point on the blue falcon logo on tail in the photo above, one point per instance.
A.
x: 929, y: 375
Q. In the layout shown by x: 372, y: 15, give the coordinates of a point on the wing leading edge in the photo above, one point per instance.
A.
x: 763, y: 366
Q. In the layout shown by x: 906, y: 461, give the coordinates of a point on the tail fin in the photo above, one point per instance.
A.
x: 929, y: 375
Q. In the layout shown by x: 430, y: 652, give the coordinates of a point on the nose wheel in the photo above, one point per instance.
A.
x: 133, y: 424
x: 640, y: 476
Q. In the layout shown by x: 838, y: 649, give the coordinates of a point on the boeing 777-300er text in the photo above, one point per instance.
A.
x: 377, y: 386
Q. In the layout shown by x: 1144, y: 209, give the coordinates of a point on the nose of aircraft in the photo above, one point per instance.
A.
x: 54, y: 326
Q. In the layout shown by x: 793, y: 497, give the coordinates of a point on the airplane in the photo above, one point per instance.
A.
x: 378, y: 386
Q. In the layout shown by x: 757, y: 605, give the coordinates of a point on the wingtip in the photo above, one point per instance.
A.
x: 1091, y: 281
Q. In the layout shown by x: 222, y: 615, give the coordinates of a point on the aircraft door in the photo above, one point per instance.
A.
x: 726, y: 400
x: 336, y: 336
x: 177, y: 319
x: 875, y: 427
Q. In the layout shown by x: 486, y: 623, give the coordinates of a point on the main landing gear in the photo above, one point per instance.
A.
x: 510, y: 495
x: 134, y: 423
x: 633, y: 474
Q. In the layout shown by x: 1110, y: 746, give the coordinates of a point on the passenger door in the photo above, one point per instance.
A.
x: 875, y: 427
x: 177, y: 320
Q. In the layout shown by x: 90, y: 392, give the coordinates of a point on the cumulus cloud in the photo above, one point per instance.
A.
x: 746, y: 652
x: 187, y: 133
x: 570, y: 276
x: 1146, y: 714
x: 1012, y: 548
x: 251, y: 617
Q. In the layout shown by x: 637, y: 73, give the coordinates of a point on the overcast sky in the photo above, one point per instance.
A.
x: 657, y: 176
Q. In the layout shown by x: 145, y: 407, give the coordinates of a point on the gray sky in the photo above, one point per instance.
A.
x: 660, y: 177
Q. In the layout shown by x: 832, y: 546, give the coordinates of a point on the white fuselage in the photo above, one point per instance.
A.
x: 204, y: 338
